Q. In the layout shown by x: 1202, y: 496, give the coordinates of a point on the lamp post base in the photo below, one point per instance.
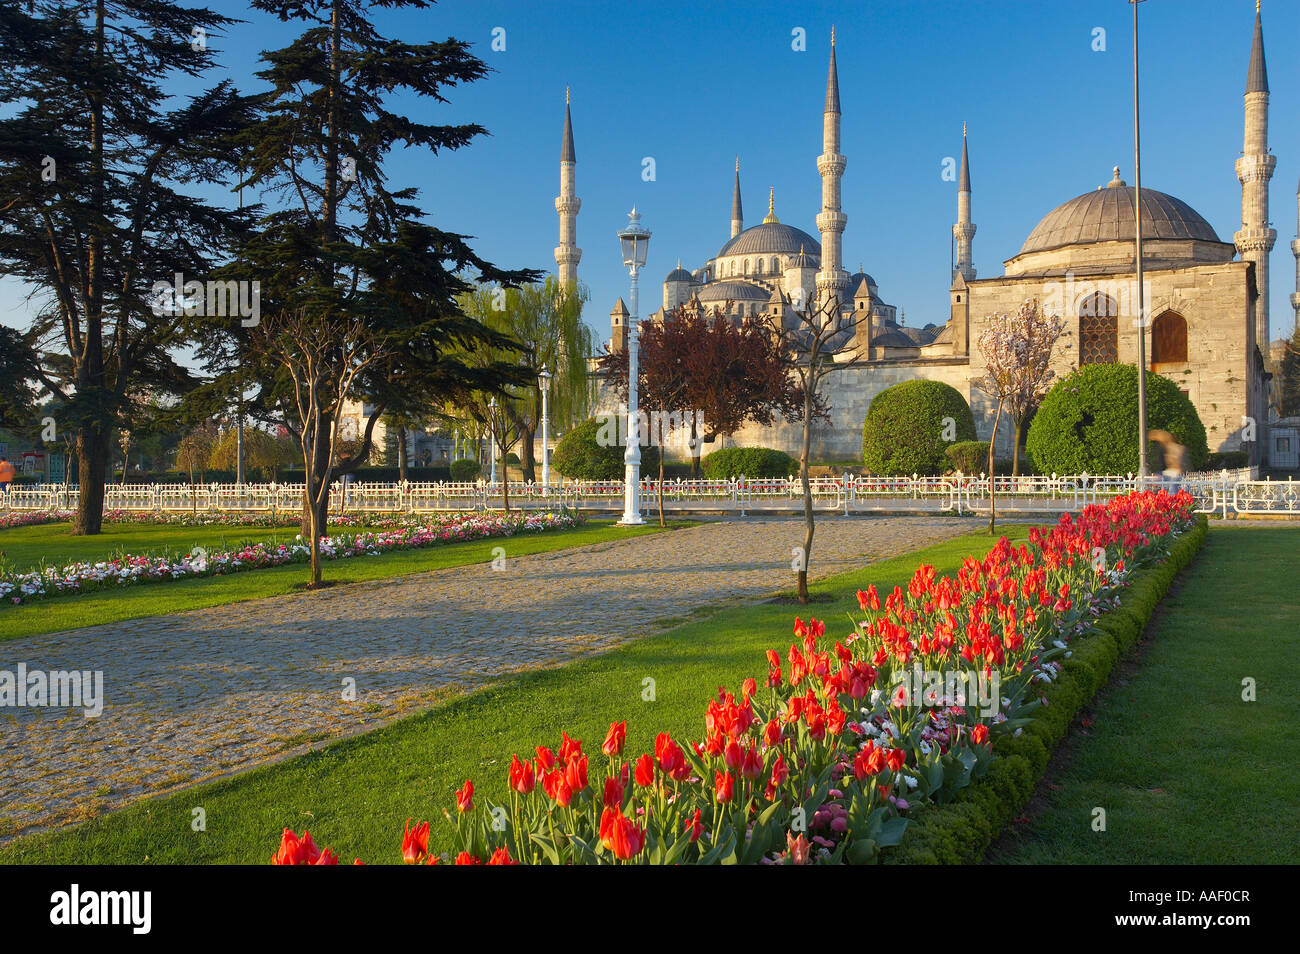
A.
x: 632, y: 521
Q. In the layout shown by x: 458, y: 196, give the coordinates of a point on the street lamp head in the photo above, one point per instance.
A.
x: 635, y: 240
x: 544, y: 378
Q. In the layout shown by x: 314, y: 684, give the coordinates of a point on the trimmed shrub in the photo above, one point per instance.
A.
x: 970, y: 457
x: 904, y: 428
x: 1227, y: 460
x: 465, y: 469
x: 591, y: 452
x: 1088, y: 422
x: 732, y: 462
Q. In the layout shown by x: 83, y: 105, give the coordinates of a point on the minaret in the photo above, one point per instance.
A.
x: 1295, y: 250
x: 964, y: 230
x: 567, y: 253
x: 1255, y: 167
x: 737, y: 216
x: 830, y: 220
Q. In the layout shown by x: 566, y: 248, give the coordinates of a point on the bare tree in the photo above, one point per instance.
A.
x: 1017, y: 351
x: 324, y: 357
x: 816, y: 340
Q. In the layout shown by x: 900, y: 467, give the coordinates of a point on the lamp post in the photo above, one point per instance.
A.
x: 545, y: 379
x: 492, y: 438
x: 1137, y: 254
x: 635, y: 241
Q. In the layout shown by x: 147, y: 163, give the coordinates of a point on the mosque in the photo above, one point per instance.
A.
x: 1208, y: 297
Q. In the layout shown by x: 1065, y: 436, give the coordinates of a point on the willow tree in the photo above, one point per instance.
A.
x: 546, y: 320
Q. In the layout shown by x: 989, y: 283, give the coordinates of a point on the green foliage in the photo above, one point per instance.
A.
x: 591, y: 452
x: 732, y: 462
x: 904, y: 429
x: 970, y: 457
x: 1227, y: 460
x: 465, y: 469
x: 1088, y: 422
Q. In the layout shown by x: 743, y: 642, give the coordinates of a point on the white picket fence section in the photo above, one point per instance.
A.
x: 1225, y: 493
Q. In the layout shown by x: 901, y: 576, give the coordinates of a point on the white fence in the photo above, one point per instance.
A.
x: 1225, y: 494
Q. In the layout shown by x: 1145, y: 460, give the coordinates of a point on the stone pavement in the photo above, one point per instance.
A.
x: 200, y: 694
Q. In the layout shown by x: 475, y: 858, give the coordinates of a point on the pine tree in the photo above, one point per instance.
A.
x: 96, y: 173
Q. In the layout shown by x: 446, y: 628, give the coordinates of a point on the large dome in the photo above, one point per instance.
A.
x: 1106, y: 215
x: 771, y: 238
x: 733, y: 291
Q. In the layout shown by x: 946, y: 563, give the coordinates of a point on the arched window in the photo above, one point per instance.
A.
x: 1098, y: 330
x: 1168, y: 340
x: 776, y: 267
x: 745, y: 268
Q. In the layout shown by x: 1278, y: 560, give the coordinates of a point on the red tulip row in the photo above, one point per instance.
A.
x: 824, y: 762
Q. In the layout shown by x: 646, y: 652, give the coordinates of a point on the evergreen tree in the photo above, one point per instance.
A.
x: 96, y: 171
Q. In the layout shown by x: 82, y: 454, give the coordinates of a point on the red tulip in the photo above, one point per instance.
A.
x: 613, y: 793
x: 620, y: 835
x: 296, y: 851
x: 465, y: 797
x: 569, y: 748
x: 502, y: 857
x: 521, y: 776
x: 575, y: 773
x: 613, y: 744
x: 415, y: 842
x: 465, y: 858
x: 979, y: 735
x: 724, y: 787
x: 645, y: 771
x: 693, y: 826
x: 895, y: 758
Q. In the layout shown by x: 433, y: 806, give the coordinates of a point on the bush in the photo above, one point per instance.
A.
x: 732, y: 462
x: 591, y: 451
x: 970, y: 457
x: 464, y: 469
x: 1088, y: 423
x: 903, y: 432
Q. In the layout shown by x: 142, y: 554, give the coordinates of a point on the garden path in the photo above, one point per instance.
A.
x: 196, y: 695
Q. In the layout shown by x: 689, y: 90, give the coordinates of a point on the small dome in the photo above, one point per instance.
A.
x: 771, y: 238
x: 803, y: 260
x: 1106, y: 215
x: 733, y: 291
x: 679, y: 274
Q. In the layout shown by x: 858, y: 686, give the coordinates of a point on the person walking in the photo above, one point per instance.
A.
x: 1175, y: 455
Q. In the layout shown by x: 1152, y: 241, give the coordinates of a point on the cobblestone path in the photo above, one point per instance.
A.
x: 195, y: 695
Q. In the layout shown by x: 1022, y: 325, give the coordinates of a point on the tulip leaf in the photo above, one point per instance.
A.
x: 891, y: 832
x: 548, y: 847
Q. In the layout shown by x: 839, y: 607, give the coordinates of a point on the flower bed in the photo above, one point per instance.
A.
x: 219, y: 518
x: 847, y: 740
x: 130, y: 570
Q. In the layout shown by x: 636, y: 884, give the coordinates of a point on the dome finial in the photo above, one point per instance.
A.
x: 566, y: 96
x: 770, y: 218
x: 833, y: 25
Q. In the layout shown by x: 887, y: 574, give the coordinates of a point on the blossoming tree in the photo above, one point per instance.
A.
x: 1017, y: 351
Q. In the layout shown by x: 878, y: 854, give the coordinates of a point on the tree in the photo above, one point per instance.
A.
x: 909, y: 427
x: 195, y: 450
x: 20, y: 373
x: 325, y: 358
x: 347, y: 244
x: 97, y: 180
x: 816, y: 340
x: 1289, y: 372
x: 546, y: 320
x: 1017, y: 351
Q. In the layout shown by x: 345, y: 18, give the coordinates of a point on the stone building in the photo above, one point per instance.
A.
x: 1206, y: 299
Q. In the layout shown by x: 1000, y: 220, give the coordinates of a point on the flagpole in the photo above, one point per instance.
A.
x: 1137, y: 247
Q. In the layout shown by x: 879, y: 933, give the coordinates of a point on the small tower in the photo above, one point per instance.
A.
x: 618, y: 327
x: 964, y: 231
x: 800, y: 279
x: 830, y: 164
x: 863, y: 322
x: 567, y: 253
x: 737, y: 215
x: 1254, y: 170
x: 677, y: 287
x: 1295, y: 250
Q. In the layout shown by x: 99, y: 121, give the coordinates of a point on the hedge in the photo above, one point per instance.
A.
x: 961, y: 831
x: 969, y: 457
x: 906, y: 428
x: 1088, y: 422
x: 465, y: 469
x: 732, y: 462
x: 591, y: 451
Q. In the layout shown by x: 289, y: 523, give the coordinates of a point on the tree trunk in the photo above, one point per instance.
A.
x: 527, y: 457
x: 661, y: 471
x: 126, y: 459
x: 1015, y: 451
x: 314, y: 519
x: 312, y: 486
x: 92, y: 478
x: 993, y: 443
x: 809, y: 525
x: 401, y: 453
x: 505, y: 483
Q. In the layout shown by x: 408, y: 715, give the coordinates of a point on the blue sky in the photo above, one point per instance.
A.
x: 695, y: 84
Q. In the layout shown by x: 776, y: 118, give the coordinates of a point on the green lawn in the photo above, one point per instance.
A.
x: 26, y: 546
x: 355, y: 794
x: 1187, y: 771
